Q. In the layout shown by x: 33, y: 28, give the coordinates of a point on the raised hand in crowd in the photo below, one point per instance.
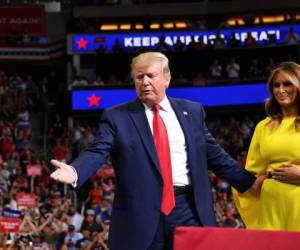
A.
x: 97, y: 242
x: 27, y: 225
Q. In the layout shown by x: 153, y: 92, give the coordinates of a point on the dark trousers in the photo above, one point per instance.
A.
x: 184, y: 214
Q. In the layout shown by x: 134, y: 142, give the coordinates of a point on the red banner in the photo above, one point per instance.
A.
x: 17, y: 19
x: 9, y: 225
x: 26, y: 200
x: 34, y: 170
x: 194, y: 238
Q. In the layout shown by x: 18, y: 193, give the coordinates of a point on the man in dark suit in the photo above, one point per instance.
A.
x: 145, y: 211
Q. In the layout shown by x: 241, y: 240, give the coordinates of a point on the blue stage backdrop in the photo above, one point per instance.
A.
x: 97, y: 99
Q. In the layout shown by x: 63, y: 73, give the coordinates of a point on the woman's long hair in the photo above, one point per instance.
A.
x: 272, y: 107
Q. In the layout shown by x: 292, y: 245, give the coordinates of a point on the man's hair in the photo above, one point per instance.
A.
x: 144, y: 59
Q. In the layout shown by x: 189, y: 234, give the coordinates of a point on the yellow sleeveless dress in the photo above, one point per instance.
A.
x: 278, y: 207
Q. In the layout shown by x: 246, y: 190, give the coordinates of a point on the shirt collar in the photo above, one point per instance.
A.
x: 164, y: 104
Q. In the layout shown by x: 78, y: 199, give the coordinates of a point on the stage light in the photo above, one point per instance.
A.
x: 109, y: 27
x: 180, y: 25
x: 168, y: 25
x: 235, y: 22
x: 125, y: 26
x: 273, y: 19
x: 139, y: 26
x: 154, y: 26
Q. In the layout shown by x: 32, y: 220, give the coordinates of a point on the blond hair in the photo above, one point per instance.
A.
x: 144, y: 59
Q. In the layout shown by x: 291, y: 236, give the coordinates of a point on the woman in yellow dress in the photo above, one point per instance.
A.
x: 275, y: 152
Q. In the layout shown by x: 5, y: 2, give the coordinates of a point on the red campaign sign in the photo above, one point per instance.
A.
x: 22, y: 18
x: 108, y: 171
x: 26, y: 200
x: 9, y: 225
x: 34, y: 170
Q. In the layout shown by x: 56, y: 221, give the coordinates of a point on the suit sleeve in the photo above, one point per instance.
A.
x: 224, y: 166
x: 96, y: 154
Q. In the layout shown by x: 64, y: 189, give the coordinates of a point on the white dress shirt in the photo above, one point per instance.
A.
x: 176, y: 141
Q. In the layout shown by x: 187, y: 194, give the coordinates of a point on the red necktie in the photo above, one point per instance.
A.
x: 162, y: 146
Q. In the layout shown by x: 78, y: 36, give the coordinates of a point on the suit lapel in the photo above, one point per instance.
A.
x: 137, y: 113
x: 184, y: 118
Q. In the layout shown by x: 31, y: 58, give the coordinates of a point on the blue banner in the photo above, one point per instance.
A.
x: 89, y: 43
x: 10, y: 213
x: 209, y: 96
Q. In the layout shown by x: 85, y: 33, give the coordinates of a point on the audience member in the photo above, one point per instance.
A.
x: 178, y: 45
x: 233, y: 42
x: 162, y: 46
x: 233, y: 69
x: 98, y: 81
x: 292, y: 37
x: 117, y: 47
x: 215, y: 69
x: 254, y: 71
x: 219, y: 42
x: 250, y: 41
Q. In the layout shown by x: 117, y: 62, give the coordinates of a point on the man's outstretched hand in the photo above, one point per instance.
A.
x: 63, y: 173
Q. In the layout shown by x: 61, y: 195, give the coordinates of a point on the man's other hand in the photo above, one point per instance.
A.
x: 256, y: 187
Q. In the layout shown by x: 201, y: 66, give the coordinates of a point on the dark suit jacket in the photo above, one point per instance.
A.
x: 125, y: 133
